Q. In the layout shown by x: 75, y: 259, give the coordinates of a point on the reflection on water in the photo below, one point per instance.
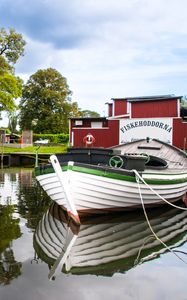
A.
x: 9, y: 230
x: 38, y: 241
x: 106, y: 244
x: 19, y: 197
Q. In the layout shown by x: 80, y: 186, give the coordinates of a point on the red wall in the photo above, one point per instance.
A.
x: 154, y: 109
x: 110, y: 109
x: 179, y: 133
x: 107, y: 137
x: 120, y: 107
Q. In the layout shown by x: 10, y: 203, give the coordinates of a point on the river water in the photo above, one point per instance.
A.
x: 112, y: 257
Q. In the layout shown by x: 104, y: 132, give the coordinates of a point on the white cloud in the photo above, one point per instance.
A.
x: 105, y: 48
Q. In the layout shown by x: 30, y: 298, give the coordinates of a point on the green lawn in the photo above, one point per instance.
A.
x: 33, y: 149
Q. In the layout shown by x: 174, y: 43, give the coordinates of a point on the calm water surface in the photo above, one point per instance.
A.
x: 112, y: 257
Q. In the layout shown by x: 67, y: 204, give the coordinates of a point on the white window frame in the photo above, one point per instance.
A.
x: 78, y: 122
x: 96, y: 124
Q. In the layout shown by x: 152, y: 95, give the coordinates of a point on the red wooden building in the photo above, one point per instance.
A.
x: 131, y: 119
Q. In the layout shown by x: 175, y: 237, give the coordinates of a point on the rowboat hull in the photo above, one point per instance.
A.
x: 141, y: 173
x: 94, y: 190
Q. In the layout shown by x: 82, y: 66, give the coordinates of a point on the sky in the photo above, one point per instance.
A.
x: 105, y: 48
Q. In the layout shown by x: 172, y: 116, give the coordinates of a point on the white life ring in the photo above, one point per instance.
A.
x: 89, y: 139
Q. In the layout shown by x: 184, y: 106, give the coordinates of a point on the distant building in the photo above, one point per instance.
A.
x: 131, y: 119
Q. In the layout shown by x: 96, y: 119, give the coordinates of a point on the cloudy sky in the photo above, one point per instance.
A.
x: 105, y: 48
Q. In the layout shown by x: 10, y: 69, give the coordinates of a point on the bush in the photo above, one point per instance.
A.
x: 62, y: 138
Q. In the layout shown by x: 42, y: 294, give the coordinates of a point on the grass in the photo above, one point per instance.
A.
x: 33, y: 149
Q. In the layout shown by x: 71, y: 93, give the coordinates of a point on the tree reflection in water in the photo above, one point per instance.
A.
x: 32, y: 200
x: 20, y: 197
x: 9, y: 230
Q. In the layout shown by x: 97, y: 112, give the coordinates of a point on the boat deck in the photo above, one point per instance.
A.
x: 176, y: 159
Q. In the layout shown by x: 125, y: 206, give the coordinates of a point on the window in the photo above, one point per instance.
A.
x: 96, y: 124
x: 78, y: 123
x: 128, y: 107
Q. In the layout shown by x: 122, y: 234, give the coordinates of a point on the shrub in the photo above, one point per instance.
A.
x: 53, y: 138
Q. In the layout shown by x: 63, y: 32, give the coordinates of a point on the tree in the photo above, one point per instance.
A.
x: 11, y: 45
x: 90, y: 114
x: 183, y: 107
x: 46, y: 106
x: 12, y: 121
x: 10, y: 89
x: 4, y: 66
x: 11, y: 48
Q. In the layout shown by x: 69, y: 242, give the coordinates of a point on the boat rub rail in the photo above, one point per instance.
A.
x: 114, y: 173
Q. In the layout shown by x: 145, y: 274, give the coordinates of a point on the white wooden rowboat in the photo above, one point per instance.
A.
x: 104, y: 180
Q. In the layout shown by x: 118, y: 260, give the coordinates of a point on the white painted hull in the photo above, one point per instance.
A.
x: 91, y: 192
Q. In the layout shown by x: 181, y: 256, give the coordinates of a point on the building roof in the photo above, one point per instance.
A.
x: 87, y: 118
x: 149, y: 98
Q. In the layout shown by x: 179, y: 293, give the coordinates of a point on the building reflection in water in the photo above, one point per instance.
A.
x: 10, y: 182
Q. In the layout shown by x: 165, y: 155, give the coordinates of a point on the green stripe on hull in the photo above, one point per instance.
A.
x: 103, y: 173
x: 108, y: 174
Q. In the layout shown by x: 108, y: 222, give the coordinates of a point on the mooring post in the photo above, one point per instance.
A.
x: 36, y: 159
x: 2, y: 150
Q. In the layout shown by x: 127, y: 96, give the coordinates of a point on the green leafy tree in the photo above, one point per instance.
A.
x: 11, y: 45
x: 89, y: 114
x: 11, y: 48
x: 45, y: 105
x: 12, y: 122
x: 183, y: 107
x: 10, y: 89
x: 4, y: 66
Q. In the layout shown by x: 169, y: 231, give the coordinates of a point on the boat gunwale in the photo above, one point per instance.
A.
x: 114, y: 173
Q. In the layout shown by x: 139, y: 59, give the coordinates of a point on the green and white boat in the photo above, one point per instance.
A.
x: 95, y: 180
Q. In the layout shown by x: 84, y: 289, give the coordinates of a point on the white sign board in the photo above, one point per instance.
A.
x: 135, y: 129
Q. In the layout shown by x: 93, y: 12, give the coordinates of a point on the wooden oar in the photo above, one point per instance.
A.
x: 63, y: 179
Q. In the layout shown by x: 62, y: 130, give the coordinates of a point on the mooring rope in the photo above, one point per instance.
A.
x: 141, y: 179
x: 137, y: 260
x: 138, y: 178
